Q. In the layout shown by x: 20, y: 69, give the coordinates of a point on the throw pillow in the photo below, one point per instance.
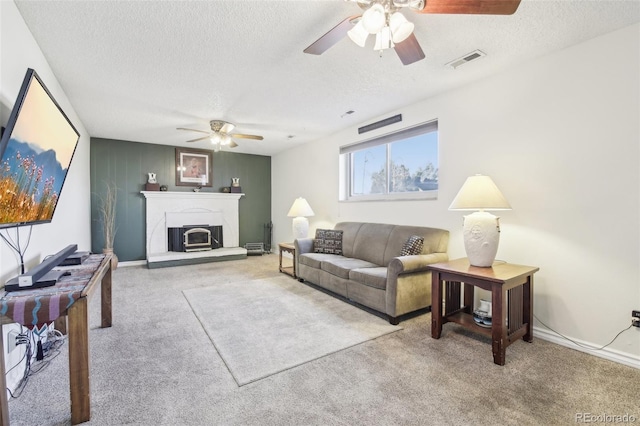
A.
x: 328, y: 241
x: 412, y: 246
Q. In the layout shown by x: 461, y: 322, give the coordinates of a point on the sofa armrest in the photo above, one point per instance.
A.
x: 409, y: 282
x: 303, y: 245
x: 407, y: 264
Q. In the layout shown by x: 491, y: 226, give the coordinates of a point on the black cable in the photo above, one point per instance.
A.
x: 15, y: 245
x: 580, y: 344
x: 51, y: 350
x: 21, y: 359
x: 7, y: 239
x: 27, y: 369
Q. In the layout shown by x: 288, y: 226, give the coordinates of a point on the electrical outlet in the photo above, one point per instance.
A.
x: 635, y: 318
x: 12, y: 343
x: 635, y: 314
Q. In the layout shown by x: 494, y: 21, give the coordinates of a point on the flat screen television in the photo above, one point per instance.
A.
x: 36, y: 150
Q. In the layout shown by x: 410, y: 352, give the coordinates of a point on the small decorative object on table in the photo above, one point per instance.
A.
x: 163, y: 188
x: 482, y: 315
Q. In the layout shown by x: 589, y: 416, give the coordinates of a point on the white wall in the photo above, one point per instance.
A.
x: 71, y: 222
x: 560, y: 137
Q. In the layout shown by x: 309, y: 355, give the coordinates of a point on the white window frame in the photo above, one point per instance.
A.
x: 346, y: 166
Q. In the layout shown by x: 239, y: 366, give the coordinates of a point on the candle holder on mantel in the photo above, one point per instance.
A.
x: 235, y: 186
x: 152, y: 183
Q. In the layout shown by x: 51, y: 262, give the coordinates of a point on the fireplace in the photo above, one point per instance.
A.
x: 168, y: 209
x: 194, y: 238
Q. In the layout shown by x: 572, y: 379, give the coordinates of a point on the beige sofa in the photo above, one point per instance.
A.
x: 371, y: 271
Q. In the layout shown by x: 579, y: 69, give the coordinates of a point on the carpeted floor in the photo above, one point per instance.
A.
x: 157, y: 366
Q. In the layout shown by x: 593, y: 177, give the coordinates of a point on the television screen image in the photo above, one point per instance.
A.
x: 36, y: 148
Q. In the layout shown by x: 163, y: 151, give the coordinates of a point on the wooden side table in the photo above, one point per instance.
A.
x: 511, y: 288
x: 47, y: 304
x: 288, y: 248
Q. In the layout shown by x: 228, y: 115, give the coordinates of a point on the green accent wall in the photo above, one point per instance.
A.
x: 127, y: 164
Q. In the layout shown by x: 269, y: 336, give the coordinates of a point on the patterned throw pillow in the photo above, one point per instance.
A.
x: 412, y: 246
x: 328, y: 241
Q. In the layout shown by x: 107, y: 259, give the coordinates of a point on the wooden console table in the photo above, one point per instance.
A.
x: 68, y: 298
x: 511, y: 288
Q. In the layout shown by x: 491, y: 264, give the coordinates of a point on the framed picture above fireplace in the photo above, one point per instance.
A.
x: 193, y: 167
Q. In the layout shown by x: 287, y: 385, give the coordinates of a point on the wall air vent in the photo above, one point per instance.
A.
x: 476, y: 54
x: 381, y: 123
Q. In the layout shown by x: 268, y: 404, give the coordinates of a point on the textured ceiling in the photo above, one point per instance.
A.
x: 136, y: 70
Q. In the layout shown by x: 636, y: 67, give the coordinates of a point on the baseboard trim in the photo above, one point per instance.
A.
x: 606, y: 353
x: 132, y: 263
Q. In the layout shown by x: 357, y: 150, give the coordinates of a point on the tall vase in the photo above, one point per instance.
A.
x: 114, y: 258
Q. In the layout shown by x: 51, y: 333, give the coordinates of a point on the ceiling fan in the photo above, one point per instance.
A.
x: 392, y: 30
x: 220, y: 134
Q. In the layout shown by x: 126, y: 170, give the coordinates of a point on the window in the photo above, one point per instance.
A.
x: 399, y: 165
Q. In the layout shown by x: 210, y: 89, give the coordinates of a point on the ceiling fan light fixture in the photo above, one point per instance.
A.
x: 225, y: 140
x: 216, y: 138
x: 358, y: 34
x: 374, y: 19
x: 383, y: 39
x: 400, y: 27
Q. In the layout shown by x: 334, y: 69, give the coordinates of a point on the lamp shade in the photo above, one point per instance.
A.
x: 374, y: 18
x: 383, y: 39
x: 358, y: 34
x: 300, y: 208
x: 479, y: 193
x: 400, y: 27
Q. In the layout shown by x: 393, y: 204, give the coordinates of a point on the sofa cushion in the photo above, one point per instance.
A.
x: 413, y: 246
x: 341, y: 266
x: 314, y: 259
x: 371, y: 242
x: 375, y: 277
x: 328, y: 241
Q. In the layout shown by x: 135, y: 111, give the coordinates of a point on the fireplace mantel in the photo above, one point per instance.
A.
x: 169, y: 204
x: 191, y: 195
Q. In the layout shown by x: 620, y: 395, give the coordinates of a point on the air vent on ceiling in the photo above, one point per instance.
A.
x: 379, y: 124
x: 476, y: 54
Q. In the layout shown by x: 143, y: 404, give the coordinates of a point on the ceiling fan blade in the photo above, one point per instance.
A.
x: 233, y: 144
x: 333, y: 36
x: 481, y: 7
x: 241, y: 136
x: 199, y: 139
x: 409, y: 50
x: 227, y: 127
x: 192, y: 130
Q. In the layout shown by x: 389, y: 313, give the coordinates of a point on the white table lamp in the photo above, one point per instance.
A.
x: 299, y: 211
x: 481, y: 229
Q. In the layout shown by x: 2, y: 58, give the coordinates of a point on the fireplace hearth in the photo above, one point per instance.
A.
x: 194, y: 238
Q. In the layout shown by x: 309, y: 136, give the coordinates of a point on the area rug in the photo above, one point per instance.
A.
x: 263, y: 327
